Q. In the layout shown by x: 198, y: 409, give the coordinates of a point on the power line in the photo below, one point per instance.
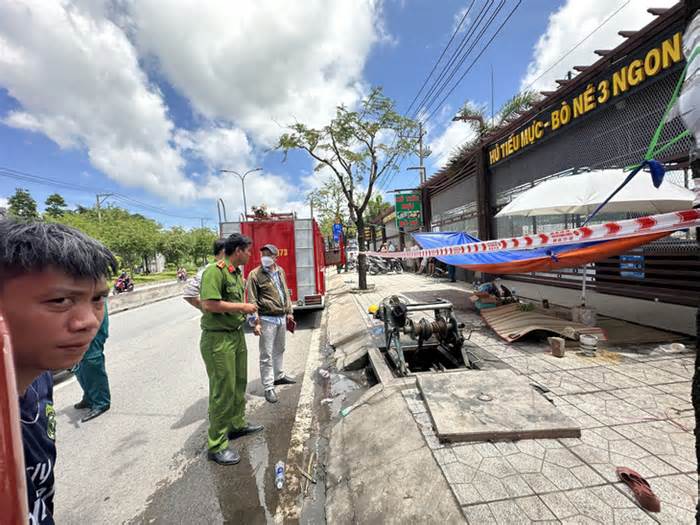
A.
x: 605, y: 21
x: 455, y: 33
x: 474, y: 61
x: 461, y: 55
x: 125, y: 199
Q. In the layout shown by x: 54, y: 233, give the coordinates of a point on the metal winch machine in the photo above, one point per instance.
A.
x: 405, y: 332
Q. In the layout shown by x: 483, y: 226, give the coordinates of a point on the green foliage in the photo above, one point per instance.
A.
x: 201, y: 242
x: 22, y: 206
x: 329, y: 204
x: 175, y: 245
x: 55, y: 205
x: 358, y: 147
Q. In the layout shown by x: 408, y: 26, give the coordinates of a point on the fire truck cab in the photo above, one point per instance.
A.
x: 301, y: 253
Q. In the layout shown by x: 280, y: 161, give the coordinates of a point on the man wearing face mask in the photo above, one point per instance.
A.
x: 267, y: 289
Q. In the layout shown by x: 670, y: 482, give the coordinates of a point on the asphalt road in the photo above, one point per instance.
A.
x: 144, y: 461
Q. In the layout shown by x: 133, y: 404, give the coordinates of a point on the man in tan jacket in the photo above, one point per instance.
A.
x: 267, y: 289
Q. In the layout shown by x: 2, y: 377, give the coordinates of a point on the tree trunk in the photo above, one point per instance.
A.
x: 361, y: 258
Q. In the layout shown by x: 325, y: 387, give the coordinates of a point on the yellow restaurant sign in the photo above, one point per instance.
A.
x: 656, y: 60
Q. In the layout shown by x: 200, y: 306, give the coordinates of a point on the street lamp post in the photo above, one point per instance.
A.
x: 242, y: 177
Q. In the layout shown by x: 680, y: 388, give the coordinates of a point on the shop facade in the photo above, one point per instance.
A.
x: 603, y: 118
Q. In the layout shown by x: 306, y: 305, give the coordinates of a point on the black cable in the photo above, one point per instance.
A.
x: 456, y: 31
x: 448, y: 67
x: 36, y: 179
x: 475, y: 60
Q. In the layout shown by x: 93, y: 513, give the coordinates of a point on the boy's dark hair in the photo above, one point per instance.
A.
x: 236, y: 241
x: 219, y: 244
x: 34, y: 246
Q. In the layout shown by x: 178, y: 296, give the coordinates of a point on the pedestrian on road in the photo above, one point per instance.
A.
x: 224, y: 350
x: 53, y: 287
x: 267, y: 288
x: 92, y: 375
x: 191, y: 291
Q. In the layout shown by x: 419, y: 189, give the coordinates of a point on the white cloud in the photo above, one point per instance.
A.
x: 217, y: 147
x: 571, y: 24
x: 454, y: 136
x: 457, y: 18
x: 75, y: 68
x: 260, y: 64
x: 78, y: 81
x: 3, y: 202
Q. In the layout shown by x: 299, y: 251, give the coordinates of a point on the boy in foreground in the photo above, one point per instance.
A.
x: 53, y: 285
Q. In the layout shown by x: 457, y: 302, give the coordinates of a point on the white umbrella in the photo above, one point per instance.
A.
x: 581, y: 194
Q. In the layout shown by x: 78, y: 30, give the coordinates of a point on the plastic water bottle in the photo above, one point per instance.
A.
x: 279, y: 475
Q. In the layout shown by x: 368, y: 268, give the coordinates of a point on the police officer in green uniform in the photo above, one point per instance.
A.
x: 224, y: 350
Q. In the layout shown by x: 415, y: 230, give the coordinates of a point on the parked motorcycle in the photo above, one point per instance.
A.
x: 395, y: 265
x: 377, y: 265
x: 123, y: 284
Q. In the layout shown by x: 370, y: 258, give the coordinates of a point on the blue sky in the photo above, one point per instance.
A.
x: 125, y: 98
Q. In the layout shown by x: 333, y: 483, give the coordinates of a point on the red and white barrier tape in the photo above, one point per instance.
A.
x: 665, y: 222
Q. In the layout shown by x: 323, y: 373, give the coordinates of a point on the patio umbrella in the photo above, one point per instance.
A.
x: 581, y: 194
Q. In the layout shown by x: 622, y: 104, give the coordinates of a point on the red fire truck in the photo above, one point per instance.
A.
x: 301, y: 253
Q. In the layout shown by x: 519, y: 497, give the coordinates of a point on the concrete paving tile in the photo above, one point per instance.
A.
x: 529, y: 364
x: 581, y: 418
x: 649, y: 375
x: 458, y: 473
x: 535, y: 509
x: 444, y: 456
x: 532, y: 447
x: 524, y: 463
x: 671, y: 440
x: 496, y: 467
x: 508, y: 512
x: 653, y: 401
x: 468, y: 455
x: 604, y: 450
x: 539, y: 483
x: 466, y: 493
x: 479, y: 515
x: 682, y: 367
x: 489, y: 488
x: 680, y: 390
x: 605, y: 378
x: 608, y: 409
x: 516, y: 486
x: 678, y: 495
x: 594, y: 505
x: 507, y: 448
x: 563, y: 382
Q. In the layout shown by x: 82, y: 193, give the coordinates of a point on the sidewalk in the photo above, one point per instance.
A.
x: 632, y: 403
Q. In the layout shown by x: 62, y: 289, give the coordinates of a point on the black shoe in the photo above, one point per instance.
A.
x: 248, y: 429
x: 83, y: 404
x: 94, y: 412
x: 224, y: 457
x: 271, y: 396
x: 285, y: 380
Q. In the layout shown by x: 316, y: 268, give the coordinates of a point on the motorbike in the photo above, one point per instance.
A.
x: 123, y: 285
x: 182, y: 275
x: 395, y: 265
x: 377, y: 265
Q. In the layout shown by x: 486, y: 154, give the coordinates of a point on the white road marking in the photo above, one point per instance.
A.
x: 288, y: 506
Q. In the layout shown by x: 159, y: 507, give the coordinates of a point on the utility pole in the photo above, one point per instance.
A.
x: 99, y: 199
x: 421, y: 153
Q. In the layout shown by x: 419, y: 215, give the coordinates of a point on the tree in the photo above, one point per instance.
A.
x: 476, y: 117
x: 201, y: 242
x: 329, y: 205
x: 22, y: 206
x: 358, y: 147
x: 174, y: 244
x: 55, y: 205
